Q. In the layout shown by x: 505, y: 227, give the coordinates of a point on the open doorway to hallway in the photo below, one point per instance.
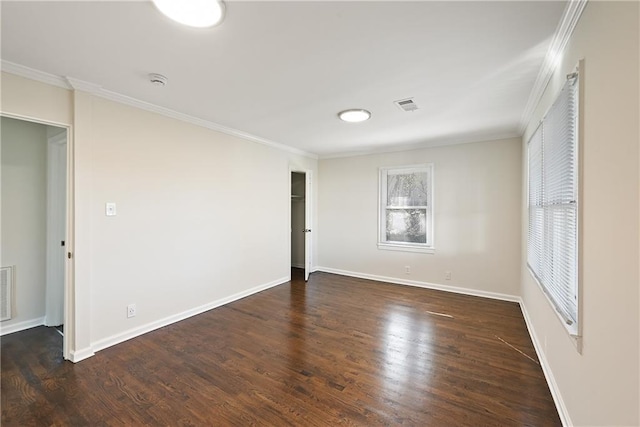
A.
x: 33, y: 203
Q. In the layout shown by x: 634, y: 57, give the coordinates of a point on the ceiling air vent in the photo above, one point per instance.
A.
x: 406, y: 104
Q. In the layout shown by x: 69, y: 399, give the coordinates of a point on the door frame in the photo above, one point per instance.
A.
x: 308, y: 218
x: 56, y: 219
x: 69, y: 268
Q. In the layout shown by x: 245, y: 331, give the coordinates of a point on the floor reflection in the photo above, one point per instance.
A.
x: 297, y: 345
x: 408, y: 352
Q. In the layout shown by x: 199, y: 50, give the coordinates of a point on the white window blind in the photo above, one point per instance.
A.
x: 552, y: 251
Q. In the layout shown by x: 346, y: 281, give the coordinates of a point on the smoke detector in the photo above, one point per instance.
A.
x: 406, y: 104
x: 158, y: 79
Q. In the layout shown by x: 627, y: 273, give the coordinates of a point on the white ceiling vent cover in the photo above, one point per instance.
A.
x: 6, y: 285
x: 406, y: 104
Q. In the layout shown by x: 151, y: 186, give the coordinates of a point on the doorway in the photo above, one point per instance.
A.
x: 301, y: 232
x: 34, y: 224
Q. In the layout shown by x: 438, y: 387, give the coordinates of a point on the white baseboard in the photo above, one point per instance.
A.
x: 546, y: 369
x: 21, y: 326
x: 419, y: 284
x: 78, y: 355
x: 135, y: 332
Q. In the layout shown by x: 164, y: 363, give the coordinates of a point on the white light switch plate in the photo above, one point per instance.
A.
x: 110, y: 209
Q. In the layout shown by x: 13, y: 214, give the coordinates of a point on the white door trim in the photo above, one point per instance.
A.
x: 308, y: 224
x: 56, y: 225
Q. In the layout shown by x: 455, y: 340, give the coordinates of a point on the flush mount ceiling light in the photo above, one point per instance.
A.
x: 194, y: 13
x: 354, y: 116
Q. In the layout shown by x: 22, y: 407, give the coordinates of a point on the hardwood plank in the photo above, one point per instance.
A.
x: 332, y: 351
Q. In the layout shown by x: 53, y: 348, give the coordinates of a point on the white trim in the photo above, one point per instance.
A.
x: 546, y: 369
x: 56, y: 228
x: 406, y: 248
x: 33, y: 119
x: 81, y: 85
x: 141, y: 330
x: 419, y: 284
x: 77, y: 356
x: 33, y: 74
x: 97, y: 90
x: 568, y: 22
x: 443, y: 142
x: 21, y: 326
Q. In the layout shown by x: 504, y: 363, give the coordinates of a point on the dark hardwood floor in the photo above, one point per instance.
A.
x: 333, y: 351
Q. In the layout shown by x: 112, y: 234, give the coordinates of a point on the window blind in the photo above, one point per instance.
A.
x: 552, y: 251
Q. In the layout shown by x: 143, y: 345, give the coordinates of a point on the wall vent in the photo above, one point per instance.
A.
x: 6, y: 286
x: 406, y: 104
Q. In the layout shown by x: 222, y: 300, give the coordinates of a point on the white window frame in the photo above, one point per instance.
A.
x: 384, y: 244
x: 540, y: 242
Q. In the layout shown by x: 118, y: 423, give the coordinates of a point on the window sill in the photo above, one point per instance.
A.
x: 406, y: 248
x: 572, y: 331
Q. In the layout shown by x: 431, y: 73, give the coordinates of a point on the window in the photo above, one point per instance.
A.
x: 552, y: 251
x: 406, y: 208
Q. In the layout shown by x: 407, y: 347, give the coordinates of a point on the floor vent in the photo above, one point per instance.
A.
x: 6, y: 286
x: 406, y: 104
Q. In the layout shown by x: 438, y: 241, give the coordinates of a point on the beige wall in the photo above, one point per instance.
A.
x: 477, y: 217
x: 202, y: 216
x: 24, y: 204
x: 30, y: 99
x: 600, y: 386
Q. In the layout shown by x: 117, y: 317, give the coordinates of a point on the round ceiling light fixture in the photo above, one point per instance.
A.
x: 194, y: 13
x: 354, y: 115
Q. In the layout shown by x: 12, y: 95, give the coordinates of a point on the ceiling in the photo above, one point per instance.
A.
x: 281, y: 71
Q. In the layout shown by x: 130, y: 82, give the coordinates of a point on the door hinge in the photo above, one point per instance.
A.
x: 69, y: 255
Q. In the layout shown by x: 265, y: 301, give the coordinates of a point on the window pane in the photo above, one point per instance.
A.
x: 407, y: 189
x: 406, y: 225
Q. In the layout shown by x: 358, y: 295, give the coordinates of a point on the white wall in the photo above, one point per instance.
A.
x: 24, y: 178
x: 477, y: 217
x: 202, y: 216
x: 600, y: 386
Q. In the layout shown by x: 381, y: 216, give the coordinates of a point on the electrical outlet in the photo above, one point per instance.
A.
x: 131, y: 310
x: 407, y: 269
x: 447, y: 275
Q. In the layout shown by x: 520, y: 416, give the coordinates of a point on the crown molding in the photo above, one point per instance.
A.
x: 422, y: 146
x: 81, y: 85
x: 143, y: 105
x: 563, y: 33
x: 72, y: 83
x: 33, y: 74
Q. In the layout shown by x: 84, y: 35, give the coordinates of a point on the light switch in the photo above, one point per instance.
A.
x: 110, y: 209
